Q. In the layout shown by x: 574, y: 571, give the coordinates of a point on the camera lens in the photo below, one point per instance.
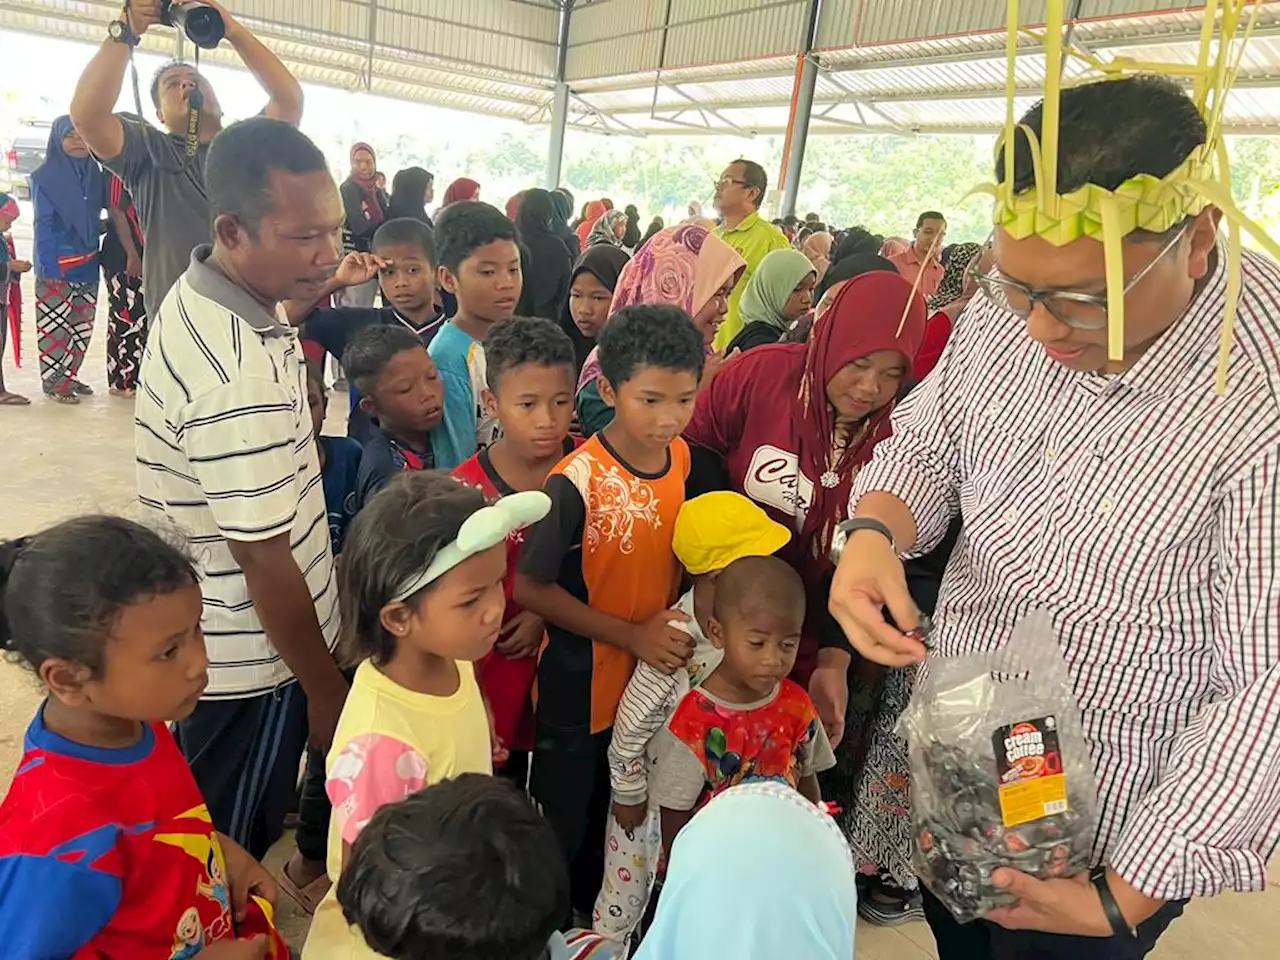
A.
x: 201, y: 23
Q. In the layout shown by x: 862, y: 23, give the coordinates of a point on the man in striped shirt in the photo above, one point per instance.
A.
x: 1129, y: 501
x: 225, y: 454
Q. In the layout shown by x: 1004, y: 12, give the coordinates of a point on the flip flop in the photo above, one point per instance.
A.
x: 308, y: 897
x: 13, y: 400
x: 81, y: 389
x: 59, y: 397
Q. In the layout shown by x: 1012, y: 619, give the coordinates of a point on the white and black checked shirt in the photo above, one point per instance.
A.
x: 225, y: 452
x: 1140, y: 511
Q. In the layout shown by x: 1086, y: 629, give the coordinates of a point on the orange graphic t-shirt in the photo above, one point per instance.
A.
x: 607, y: 542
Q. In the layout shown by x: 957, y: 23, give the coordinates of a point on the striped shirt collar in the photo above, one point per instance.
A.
x: 214, y: 285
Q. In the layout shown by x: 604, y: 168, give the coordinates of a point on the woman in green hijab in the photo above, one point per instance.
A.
x: 778, y: 294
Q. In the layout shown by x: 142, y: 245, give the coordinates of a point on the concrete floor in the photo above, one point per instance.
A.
x: 60, y: 461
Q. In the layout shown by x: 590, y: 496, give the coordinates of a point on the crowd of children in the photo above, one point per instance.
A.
x: 523, y: 616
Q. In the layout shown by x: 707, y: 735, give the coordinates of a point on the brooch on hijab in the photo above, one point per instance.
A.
x: 830, y: 480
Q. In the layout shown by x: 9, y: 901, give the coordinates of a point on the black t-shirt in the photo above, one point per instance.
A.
x: 384, y: 456
x: 333, y: 327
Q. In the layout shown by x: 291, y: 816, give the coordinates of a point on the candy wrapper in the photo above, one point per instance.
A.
x: 1000, y: 772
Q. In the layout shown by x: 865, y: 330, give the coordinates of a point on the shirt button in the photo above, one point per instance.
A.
x: 1106, y: 506
x: 1010, y: 516
x: 993, y: 410
x: 1050, y: 454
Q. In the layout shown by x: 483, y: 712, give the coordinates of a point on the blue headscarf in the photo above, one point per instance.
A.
x: 73, y: 186
x: 759, y: 873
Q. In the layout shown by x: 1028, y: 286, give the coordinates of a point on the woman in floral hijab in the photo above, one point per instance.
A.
x: 685, y: 265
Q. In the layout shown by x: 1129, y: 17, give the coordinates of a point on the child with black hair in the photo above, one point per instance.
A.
x: 480, y: 266
x: 106, y: 845
x: 530, y: 370
x: 600, y: 571
x: 421, y: 594
x: 465, y: 869
x: 402, y: 392
x: 746, y: 721
x: 403, y: 259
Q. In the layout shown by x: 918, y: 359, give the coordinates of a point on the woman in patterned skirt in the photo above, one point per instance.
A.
x: 67, y: 191
x: 122, y: 273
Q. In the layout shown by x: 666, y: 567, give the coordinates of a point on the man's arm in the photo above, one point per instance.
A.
x: 285, y: 92
x: 93, y: 104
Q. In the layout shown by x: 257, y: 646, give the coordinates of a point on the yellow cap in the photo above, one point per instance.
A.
x: 715, y: 529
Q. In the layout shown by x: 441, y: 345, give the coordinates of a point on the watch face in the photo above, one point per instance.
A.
x: 115, y: 29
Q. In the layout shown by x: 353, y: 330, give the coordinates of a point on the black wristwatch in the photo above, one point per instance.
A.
x: 1119, y: 925
x: 853, y: 525
x: 120, y: 32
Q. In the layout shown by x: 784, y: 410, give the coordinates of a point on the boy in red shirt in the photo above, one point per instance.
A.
x: 530, y: 370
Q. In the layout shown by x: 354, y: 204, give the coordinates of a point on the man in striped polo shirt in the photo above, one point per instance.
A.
x: 225, y: 454
x: 1125, y: 498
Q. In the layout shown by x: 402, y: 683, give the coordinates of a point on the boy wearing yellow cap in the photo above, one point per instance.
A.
x: 711, y: 532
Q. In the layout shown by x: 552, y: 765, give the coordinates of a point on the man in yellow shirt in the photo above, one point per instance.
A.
x: 739, y: 193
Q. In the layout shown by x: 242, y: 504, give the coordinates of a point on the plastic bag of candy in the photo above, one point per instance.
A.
x: 1000, y: 771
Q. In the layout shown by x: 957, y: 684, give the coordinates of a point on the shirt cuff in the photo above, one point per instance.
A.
x: 1162, y: 863
x: 927, y: 497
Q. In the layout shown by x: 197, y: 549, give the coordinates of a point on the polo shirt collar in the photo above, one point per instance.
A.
x: 747, y: 222
x: 214, y: 285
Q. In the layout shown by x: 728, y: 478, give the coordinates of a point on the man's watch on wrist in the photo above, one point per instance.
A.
x: 1115, y: 916
x: 853, y: 525
x: 120, y: 32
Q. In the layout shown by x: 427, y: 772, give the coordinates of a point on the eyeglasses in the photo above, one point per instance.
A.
x: 1082, y: 311
x: 725, y: 181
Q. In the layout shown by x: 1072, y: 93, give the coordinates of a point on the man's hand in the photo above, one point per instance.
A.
x: 630, y: 815
x: 1070, y: 906
x: 658, y: 643
x: 19, y: 266
x: 869, y: 578
x: 245, y: 877
x: 829, y: 691
x: 324, y: 707
x: 252, y: 949
x: 143, y: 14
x: 521, y: 636
x: 133, y: 265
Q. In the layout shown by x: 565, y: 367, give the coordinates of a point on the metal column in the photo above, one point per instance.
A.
x: 560, y: 102
x: 801, y: 107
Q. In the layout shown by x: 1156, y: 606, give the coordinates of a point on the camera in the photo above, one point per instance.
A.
x: 202, y: 23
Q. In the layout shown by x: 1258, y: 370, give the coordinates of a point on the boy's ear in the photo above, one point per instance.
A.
x: 607, y: 393
x: 490, y: 402
x: 447, y: 280
x: 368, y: 405
x: 715, y: 633
x: 65, y: 680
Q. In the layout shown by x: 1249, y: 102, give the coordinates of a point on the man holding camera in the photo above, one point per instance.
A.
x: 165, y: 177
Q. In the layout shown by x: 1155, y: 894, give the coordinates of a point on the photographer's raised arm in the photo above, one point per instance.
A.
x: 93, y: 104
x: 285, y: 92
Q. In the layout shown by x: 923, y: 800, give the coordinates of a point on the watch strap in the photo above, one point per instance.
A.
x: 854, y: 524
x: 1119, y: 925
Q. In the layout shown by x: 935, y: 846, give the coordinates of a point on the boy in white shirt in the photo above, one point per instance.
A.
x: 711, y: 532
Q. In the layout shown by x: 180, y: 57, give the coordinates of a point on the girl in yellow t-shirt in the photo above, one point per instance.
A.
x: 421, y: 590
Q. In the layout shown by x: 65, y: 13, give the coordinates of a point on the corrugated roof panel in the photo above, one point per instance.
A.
x: 708, y: 31
x: 518, y: 37
x: 613, y: 38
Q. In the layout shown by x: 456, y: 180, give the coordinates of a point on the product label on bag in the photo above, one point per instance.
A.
x: 1029, y: 771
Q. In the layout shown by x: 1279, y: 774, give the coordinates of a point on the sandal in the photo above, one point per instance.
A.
x: 13, y: 399
x: 80, y: 389
x: 60, y: 396
x: 889, y: 909
x: 308, y: 897
x: 124, y: 393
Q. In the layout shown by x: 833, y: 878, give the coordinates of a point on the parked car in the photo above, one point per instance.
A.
x: 25, y: 153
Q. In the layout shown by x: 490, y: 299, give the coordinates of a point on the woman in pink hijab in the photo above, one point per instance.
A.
x: 685, y: 265
x: 817, y: 247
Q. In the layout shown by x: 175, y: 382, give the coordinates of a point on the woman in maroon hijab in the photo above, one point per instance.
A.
x: 792, y: 423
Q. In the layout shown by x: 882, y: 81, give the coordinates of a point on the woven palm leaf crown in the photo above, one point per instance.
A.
x: 1143, y: 202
